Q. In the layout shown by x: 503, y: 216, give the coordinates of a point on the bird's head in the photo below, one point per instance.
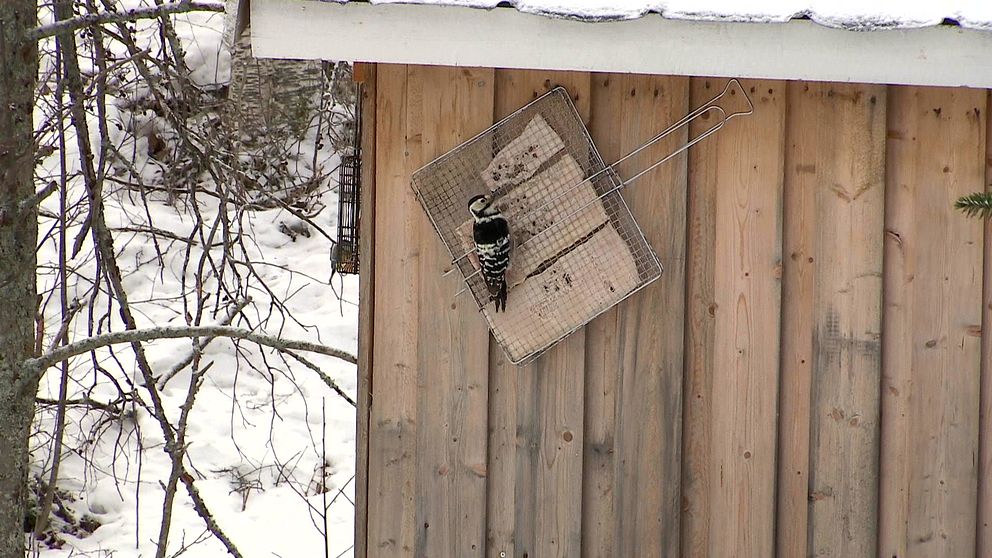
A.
x: 480, y: 206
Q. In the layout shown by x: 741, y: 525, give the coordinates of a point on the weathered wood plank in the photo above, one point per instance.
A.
x: 898, y: 268
x: 932, y: 316
x: 835, y: 185
x: 446, y: 107
x: 798, y: 288
x: 732, y: 511
x: 558, y: 482
x: 984, y: 543
x: 393, y: 413
x: 501, y: 467
x: 634, y: 353
x: 649, y: 424
x: 537, y: 408
x: 697, y: 406
x: 366, y: 292
x: 603, y: 350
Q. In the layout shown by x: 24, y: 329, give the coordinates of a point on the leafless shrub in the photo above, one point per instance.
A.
x: 121, y: 96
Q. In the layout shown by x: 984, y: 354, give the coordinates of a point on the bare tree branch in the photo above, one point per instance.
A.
x: 154, y: 231
x: 201, y: 509
x: 84, y: 402
x: 232, y: 313
x: 323, y: 376
x: 194, y: 134
x: 38, y: 197
x: 88, y: 20
x: 178, y: 332
x: 68, y: 314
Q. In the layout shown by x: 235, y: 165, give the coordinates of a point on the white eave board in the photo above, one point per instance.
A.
x: 508, y: 38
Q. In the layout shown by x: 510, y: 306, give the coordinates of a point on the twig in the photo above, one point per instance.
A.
x: 45, y: 506
x: 323, y: 376
x: 201, y: 509
x: 84, y: 402
x: 232, y: 312
x: 101, y: 76
x: 155, y: 231
x: 340, y: 492
x: 37, y: 198
x: 69, y: 312
x: 176, y: 450
x: 36, y: 365
x: 89, y: 20
x: 323, y: 473
x: 298, y: 214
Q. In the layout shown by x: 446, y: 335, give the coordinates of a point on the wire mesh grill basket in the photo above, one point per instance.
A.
x: 577, y: 250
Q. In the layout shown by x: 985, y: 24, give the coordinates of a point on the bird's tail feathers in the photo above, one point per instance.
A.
x: 500, y: 297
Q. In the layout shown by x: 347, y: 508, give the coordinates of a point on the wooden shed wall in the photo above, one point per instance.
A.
x: 806, y: 378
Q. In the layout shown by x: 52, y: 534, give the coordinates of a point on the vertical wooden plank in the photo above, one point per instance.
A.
x: 539, y: 407
x: 849, y: 159
x: 599, y: 462
x: 634, y: 353
x: 732, y: 512
x: 603, y: 358
x: 557, y: 495
x: 931, y: 350
x: 798, y: 288
x: 836, y: 169
x: 446, y: 107
x: 501, y: 535
x: 898, y: 269
x: 984, y: 543
x: 697, y: 405
x: 649, y: 422
x: 366, y: 298
x: 393, y: 414
x: 746, y: 355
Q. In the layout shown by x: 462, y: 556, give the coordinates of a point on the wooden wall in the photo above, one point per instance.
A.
x: 807, y: 378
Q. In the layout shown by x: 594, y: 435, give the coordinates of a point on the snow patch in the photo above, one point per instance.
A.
x: 269, y: 442
x: 857, y: 15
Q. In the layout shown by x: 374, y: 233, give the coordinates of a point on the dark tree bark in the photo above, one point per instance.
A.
x: 18, y: 237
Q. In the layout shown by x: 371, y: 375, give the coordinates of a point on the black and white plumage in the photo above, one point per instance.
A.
x: 491, y: 233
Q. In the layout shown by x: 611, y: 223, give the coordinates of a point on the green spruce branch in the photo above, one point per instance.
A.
x: 978, y: 204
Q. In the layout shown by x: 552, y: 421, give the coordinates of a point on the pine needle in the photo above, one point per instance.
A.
x: 978, y: 204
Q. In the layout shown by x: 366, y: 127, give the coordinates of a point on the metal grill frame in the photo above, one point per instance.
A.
x: 604, y: 180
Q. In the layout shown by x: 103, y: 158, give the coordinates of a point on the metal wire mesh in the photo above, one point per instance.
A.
x: 577, y: 249
x: 346, y: 251
x: 344, y: 256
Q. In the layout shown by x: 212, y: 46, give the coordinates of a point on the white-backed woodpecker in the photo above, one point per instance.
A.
x: 491, y: 233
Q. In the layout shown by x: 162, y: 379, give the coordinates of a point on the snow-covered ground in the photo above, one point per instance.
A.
x: 270, y: 444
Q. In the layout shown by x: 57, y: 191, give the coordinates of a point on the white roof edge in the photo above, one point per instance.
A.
x: 509, y: 38
x: 858, y: 15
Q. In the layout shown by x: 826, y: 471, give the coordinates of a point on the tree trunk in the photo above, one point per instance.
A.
x: 18, y: 237
x: 267, y: 93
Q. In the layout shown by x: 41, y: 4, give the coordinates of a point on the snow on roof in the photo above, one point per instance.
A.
x: 859, y: 15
